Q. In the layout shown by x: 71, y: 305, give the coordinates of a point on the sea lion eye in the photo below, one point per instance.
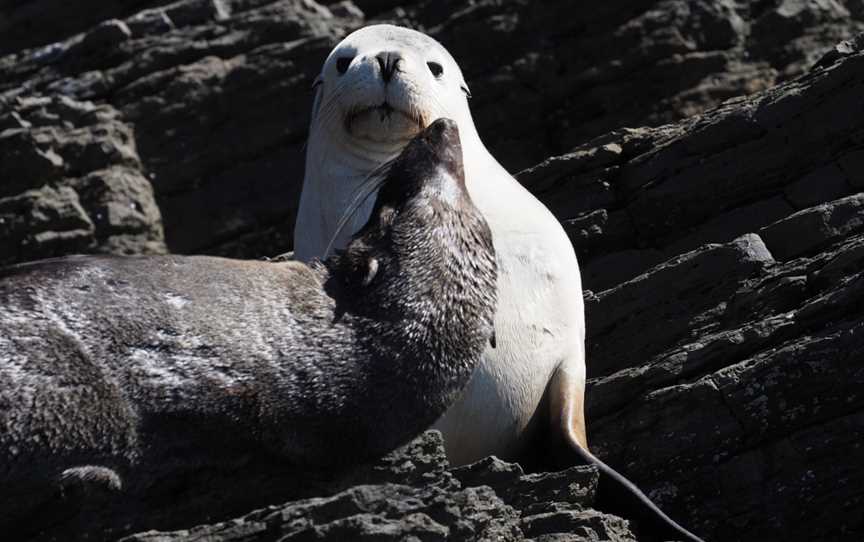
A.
x: 342, y: 64
x: 435, y: 68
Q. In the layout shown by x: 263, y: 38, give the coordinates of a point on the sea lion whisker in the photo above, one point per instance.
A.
x: 371, y: 183
x: 330, y: 108
x: 328, y: 112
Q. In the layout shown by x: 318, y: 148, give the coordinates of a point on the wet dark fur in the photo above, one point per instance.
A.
x: 161, y: 364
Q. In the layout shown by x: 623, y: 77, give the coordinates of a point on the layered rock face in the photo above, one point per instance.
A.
x: 706, y: 159
x: 71, y: 181
x: 215, y: 96
x: 410, y: 495
x: 724, y: 255
x: 217, y: 92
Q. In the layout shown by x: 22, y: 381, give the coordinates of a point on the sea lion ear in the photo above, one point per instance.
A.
x: 465, y: 89
x: 316, y: 100
x: 371, y: 271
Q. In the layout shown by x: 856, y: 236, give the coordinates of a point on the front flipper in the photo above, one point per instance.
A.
x: 89, y: 481
x: 615, y: 493
x: 41, y: 504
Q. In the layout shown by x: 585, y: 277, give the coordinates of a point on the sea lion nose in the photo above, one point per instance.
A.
x: 388, y: 62
x: 442, y: 133
x: 443, y: 137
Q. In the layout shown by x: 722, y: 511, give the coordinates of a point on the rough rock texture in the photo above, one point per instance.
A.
x: 572, y: 71
x: 217, y: 91
x: 726, y: 331
x: 489, y: 500
x: 217, y: 97
x: 706, y: 158
x: 71, y: 181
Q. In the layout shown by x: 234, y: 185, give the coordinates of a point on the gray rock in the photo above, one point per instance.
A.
x: 429, y: 504
x: 72, y: 182
x: 582, y: 525
x: 852, y: 165
x: 708, y: 374
x: 576, y: 485
x: 812, y: 228
x: 42, y: 22
x: 41, y: 223
x: 107, y: 34
x: 642, y: 316
x: 737, y: 168
x: 382, y: 512
x: 218, y: 90
x: 26, y: 161
x: 842, y: 49
x: 826, y: 182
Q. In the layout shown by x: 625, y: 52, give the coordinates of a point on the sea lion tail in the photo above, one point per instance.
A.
x: 615, y: 493
x: 620, y: 496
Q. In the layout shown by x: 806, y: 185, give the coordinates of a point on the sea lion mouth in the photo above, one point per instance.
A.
x: 384, y: 122
x: 386, y: 110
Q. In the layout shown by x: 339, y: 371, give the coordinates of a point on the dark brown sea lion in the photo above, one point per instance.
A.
x: 111, y: 366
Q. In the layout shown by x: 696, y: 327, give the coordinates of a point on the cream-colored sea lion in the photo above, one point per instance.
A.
x: 379, y: 87
x: 112, y: 365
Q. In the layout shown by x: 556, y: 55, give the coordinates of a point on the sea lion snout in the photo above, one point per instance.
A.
x: 442, y: 136
x: 437, y: 147
x: 387, y: 63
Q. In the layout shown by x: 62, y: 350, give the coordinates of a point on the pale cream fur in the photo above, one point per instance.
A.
x: 540, y: 323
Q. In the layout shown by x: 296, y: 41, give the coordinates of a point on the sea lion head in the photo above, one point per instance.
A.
x: 424, y: 239
x: 383, y: 84
x: 418, y: 285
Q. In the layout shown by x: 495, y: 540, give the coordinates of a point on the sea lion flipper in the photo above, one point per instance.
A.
x: 567, y: 402
x: 42, y: 502
x: 89, y: 480
x: 615, y: 493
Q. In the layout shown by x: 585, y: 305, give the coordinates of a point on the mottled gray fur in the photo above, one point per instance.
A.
x: 107, y: 363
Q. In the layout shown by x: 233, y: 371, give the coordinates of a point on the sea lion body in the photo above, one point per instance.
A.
x: 539, y: 324
x: 108, y: 364
x: 378, y: 87
x: 124, y: 344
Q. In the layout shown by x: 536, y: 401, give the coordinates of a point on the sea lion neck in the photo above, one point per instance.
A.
x: 408, y: 261
x: 431, y: 162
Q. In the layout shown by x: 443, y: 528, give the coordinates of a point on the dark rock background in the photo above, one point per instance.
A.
x: 706, y: 158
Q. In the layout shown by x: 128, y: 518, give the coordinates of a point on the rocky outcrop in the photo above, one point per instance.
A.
x: 217, y: 91
x: 217, y: 97
x: 408, y: 495
x: 706, y: 159
x: 725, y: 255
x: 72, y: 181
x: 546, y: 80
